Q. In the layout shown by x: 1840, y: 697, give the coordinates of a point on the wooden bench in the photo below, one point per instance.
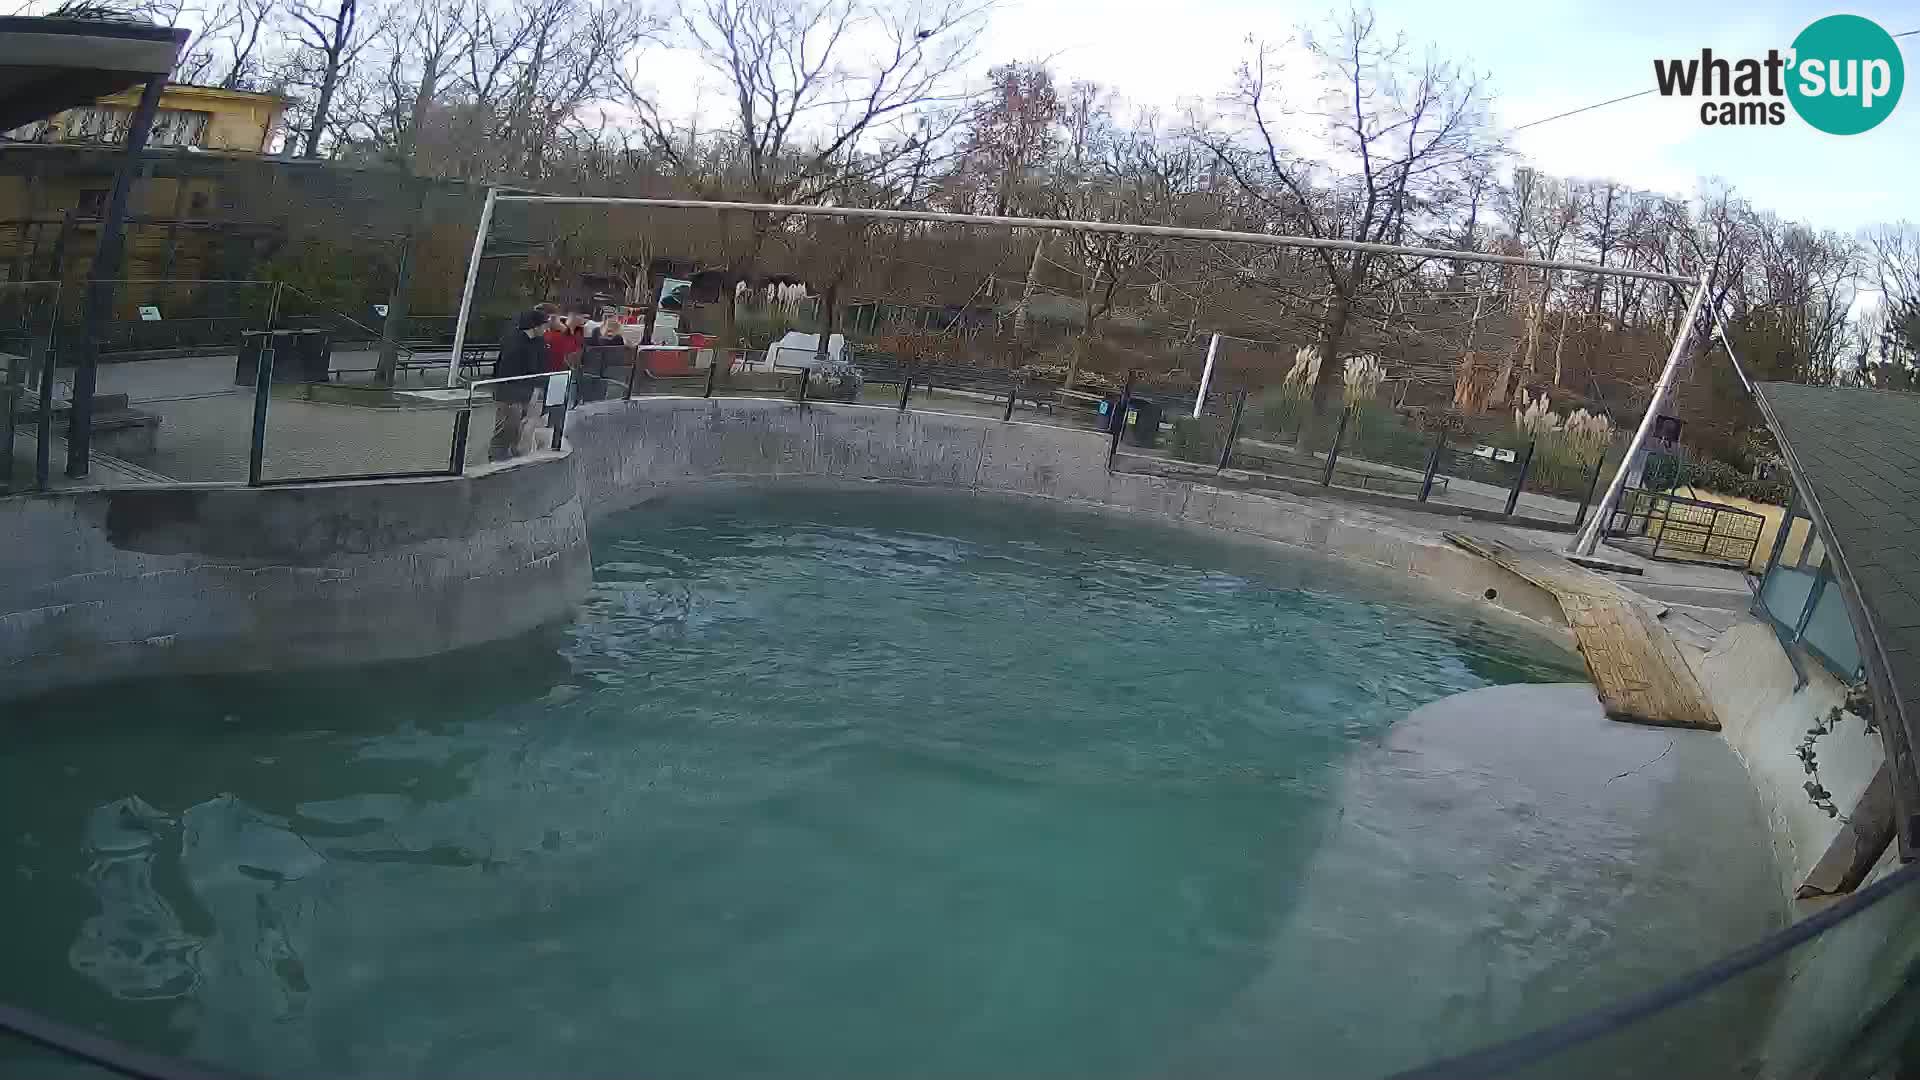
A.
x: 1080, y: 399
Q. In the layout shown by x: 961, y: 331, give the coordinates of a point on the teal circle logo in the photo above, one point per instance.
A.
x: 1847, y: 74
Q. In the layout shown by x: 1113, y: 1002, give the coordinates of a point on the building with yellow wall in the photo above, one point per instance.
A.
x: 196, y: 117
x: 55, y: 176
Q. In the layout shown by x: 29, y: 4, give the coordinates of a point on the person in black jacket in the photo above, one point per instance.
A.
x: 523, y: 351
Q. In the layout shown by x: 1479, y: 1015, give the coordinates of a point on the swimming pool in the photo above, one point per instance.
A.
x: 876, y: 783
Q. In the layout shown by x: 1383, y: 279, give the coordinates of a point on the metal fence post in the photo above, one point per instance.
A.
x: 906, y: 387
x: 42, y: 452
x: 633, y: 372
x: 805, y: 374
x: 457, y: 463
x: 1233, y: 430
x: 1333, y: 452
x: 1013, y: 390
x: 1433, y: 464
x: 713, y: 368
x: 1119, y: 420
x: 1520, y: 478
x: 1593, y: 482
x: 262, y: 391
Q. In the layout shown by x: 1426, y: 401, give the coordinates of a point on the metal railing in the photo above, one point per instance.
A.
x: 1368, y: 447
x: 1662, y: 525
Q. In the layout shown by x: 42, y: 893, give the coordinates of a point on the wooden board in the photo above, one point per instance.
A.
x: 1638, y: 668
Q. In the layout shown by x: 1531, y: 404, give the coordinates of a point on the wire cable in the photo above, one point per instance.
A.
x: 1585, y: 108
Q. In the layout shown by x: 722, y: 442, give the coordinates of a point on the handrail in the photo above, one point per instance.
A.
x: 477, y: 383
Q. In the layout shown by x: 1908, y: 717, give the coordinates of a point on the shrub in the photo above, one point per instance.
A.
x: 1725, y: 478
x: 1198, y: 438
x: 1377, y: 433
x: 1278, y: 411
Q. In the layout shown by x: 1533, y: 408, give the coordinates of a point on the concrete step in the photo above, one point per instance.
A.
x: 1737, y: 598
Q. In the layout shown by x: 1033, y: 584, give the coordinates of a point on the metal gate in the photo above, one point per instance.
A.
x: 1661, y: 525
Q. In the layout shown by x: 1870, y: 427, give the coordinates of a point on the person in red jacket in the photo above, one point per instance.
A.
x: 566, y: 336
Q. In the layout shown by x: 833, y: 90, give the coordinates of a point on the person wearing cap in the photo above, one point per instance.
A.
x: 523, y: 351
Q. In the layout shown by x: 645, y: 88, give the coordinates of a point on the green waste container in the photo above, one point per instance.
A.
x: 1146, y: 415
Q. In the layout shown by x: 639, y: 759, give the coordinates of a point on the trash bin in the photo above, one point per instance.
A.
x: 246, y: 369
x: 313, y: 355
x: 1146, y: 421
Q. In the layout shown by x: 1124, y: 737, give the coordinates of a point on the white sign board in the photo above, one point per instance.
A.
x: 798, y: 350
x: 557, y: 388
x: 149, y: 313
x: 380, y: 310
x: 1492, y: 453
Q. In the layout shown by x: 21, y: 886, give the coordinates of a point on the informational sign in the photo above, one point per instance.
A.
x: 380, y: 310
x: 673, y: 293
x: 557, y: 388
x: 149, y: 313
x: 1493, y: 453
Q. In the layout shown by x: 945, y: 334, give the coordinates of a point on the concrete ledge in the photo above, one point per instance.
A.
x: 182, y: 579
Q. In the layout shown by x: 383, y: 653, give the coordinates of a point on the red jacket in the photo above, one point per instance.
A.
x: 562, y: 346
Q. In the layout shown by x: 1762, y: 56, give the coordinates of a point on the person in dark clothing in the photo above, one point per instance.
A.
x: 523, y: 351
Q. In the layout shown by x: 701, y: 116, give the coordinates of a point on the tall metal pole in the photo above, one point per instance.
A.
x: 1119, y: 228
x: 466, y: 296
x: 98, y: 310
x: 1206, y: 374
x: 1588, y: 538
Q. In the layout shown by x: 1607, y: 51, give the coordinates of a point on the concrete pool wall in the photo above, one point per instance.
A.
x: 206, y: 578
x: 627, y: 452
x: 178, y: 579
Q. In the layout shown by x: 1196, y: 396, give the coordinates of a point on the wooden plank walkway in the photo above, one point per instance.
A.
x: 1641, y: 674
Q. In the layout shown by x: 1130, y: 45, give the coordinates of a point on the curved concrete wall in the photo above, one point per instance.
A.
x: 177, y: 579
x: 1764, y: 717
x: 629, y: 451
x: 168, y: 580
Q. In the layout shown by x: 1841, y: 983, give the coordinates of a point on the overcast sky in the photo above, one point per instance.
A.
x: 1544, y: 57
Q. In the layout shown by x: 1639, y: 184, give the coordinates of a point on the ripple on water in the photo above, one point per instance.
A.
x: 869, y: 784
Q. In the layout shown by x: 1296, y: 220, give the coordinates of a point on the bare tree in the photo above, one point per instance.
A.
x: 810, y: 116
x: 419, y: 53
x: 330, y: 34
x: 1008, y: 143
x: 1399, y: 132
x: 1893, y: 331
x: 1603, y: 209
x: 229, y: 48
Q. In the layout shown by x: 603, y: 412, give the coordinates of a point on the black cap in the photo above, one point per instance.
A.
x: 529, y: 319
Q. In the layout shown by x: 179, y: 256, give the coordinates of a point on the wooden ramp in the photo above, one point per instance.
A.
x: 1640, y: 672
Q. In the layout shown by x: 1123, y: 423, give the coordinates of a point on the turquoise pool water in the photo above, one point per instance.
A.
x: 861, y: 784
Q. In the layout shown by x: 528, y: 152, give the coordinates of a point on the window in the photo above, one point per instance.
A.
x: 38, y: 131
x: 97, y: 123
x: 107, y: 124
x: 93, y: 202
x: 179, y: 127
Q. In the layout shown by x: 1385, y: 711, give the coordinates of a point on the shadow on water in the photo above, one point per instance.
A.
x: 114, y: 797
